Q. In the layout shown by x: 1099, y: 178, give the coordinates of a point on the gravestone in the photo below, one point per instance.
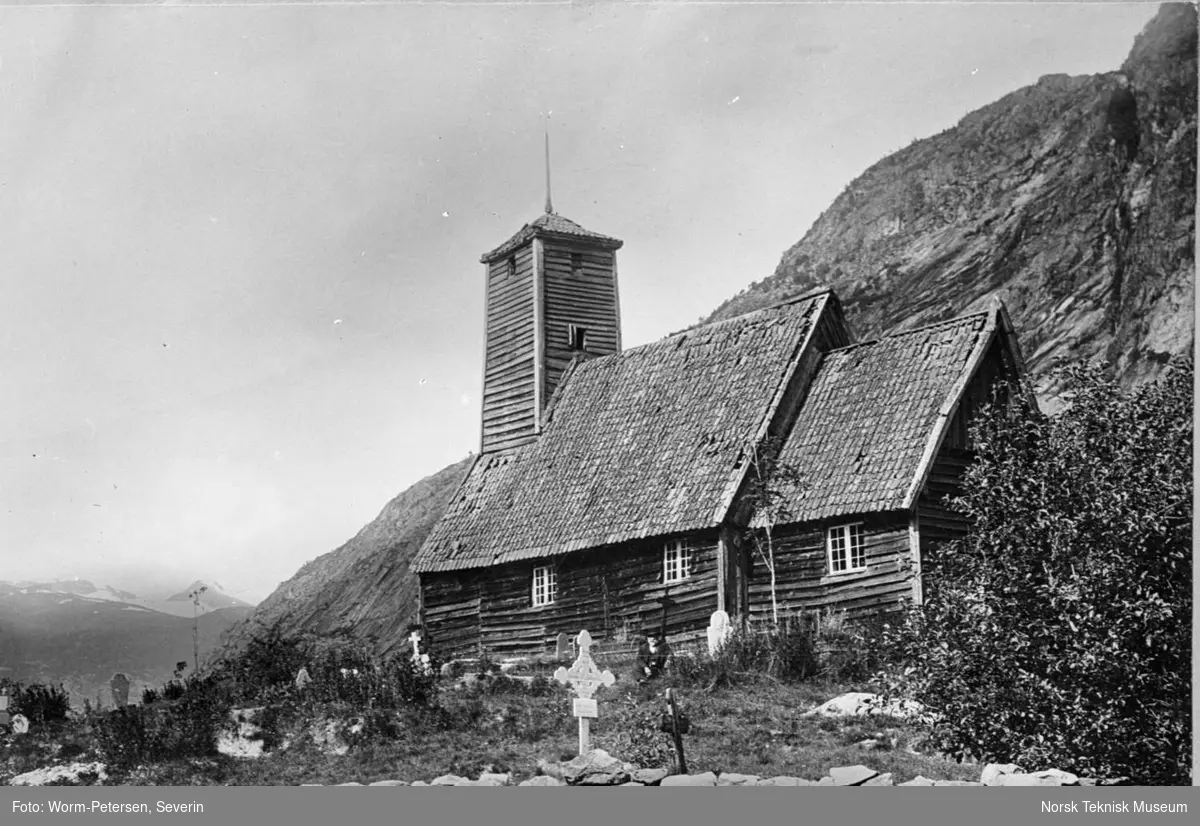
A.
x: 585, y: 678
x: 563, y: 648
x: 302, y: 678
x: 120, y: 689
x: 719, y: 630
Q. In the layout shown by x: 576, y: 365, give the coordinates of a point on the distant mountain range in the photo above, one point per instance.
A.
x: 1072, y: 199
x: 75, y: 633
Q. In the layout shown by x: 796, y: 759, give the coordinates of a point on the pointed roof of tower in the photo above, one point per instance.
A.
x: 552, y: 225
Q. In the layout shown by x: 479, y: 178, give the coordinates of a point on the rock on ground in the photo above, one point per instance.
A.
x: 862, y: 703
x: 61, y: 774
x: 851, y: 775
x: 596, y: 768
x: 541, y: 780
x: 705, y: 779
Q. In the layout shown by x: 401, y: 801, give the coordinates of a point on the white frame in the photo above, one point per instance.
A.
x: 677, y: 561
x: 545, y: 592
x: 848, y: 548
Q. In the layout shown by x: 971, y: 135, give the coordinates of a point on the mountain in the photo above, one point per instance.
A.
x: 82, y: 587
x: 58, y: 636
x: 364, y: 588
x: 211, y: 597
x: 1072, y: 199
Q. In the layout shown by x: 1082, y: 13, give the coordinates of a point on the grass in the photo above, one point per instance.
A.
x: 754, y: 727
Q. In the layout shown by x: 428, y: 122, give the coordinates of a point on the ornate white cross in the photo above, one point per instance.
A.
x: 585, y: 678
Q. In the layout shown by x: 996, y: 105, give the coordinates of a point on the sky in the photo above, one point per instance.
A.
x: 240, y: 292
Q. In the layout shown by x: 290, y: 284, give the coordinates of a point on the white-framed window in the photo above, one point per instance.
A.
x: 677, y: 561
x: 545, y: 585
x: 846, y: 551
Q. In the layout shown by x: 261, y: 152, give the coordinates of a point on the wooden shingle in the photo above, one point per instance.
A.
x: 866, y: 423
x: 641, y: 443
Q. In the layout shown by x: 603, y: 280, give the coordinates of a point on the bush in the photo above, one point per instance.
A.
x: 786, y: 652
x: 42, y: 704
x: 347, y: 673
x: 853, y: 651
x: 184, y: 727
x: 633, y: 733
x: 1058, y: 632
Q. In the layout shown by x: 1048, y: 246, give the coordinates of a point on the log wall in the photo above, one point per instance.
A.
x: 803, y: 581
x: 938, y: 522
x: 613, y: 592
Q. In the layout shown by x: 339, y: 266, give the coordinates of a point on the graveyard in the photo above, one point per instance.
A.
x: 334, y: 718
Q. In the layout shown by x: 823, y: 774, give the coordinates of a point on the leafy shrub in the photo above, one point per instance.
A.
x: 1058, y: 633
x: 184, y: 727
x: 852, y: 651
x: 266, y: 661
x: 150, y: 696
x: 634, y: 734
x: 785, y: 652
x: 42, y: 704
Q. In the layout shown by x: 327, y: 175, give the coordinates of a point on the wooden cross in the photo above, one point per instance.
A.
x: 415, y: 639
x: 585, y: 678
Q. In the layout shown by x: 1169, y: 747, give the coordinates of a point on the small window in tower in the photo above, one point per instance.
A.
x: 577, y: 264
x: 510, y: 269
x: 576, y: 337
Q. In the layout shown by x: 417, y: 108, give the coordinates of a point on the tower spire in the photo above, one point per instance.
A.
x: 549, y: 205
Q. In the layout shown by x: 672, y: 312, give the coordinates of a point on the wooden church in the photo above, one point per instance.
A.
x: 611, y: 488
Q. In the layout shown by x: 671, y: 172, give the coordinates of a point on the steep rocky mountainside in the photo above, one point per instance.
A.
x: 1072, y: 199
x: 363, y: 588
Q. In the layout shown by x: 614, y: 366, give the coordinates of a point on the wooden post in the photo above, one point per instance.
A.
x: 675, y: 731
x: 584, y: 729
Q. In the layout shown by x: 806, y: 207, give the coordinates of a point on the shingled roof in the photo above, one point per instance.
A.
x: 646, y: 442
x: 550, y: 225
x: 865, y: 429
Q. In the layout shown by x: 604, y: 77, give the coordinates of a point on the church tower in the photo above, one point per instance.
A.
x: 551, y: 295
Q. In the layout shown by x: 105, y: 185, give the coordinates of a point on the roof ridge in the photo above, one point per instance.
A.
x: 809, y: 296
x: 691, y: 330
x: 922, y: 329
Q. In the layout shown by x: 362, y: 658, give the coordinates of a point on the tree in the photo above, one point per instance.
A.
x: 772, y: 487
x: 1057, y: 633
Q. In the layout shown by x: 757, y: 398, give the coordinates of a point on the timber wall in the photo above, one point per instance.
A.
x: 613, y: 592
x: 803, y: 581
x: 586, y: 298
x: 509, y: 374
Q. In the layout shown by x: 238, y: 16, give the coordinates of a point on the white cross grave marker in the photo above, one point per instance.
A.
x: 585, y: 678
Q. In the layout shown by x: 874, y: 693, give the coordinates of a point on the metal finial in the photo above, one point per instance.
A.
x: 549, y: 205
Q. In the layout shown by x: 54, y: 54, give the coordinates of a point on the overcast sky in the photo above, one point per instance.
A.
x: 240, y: 290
